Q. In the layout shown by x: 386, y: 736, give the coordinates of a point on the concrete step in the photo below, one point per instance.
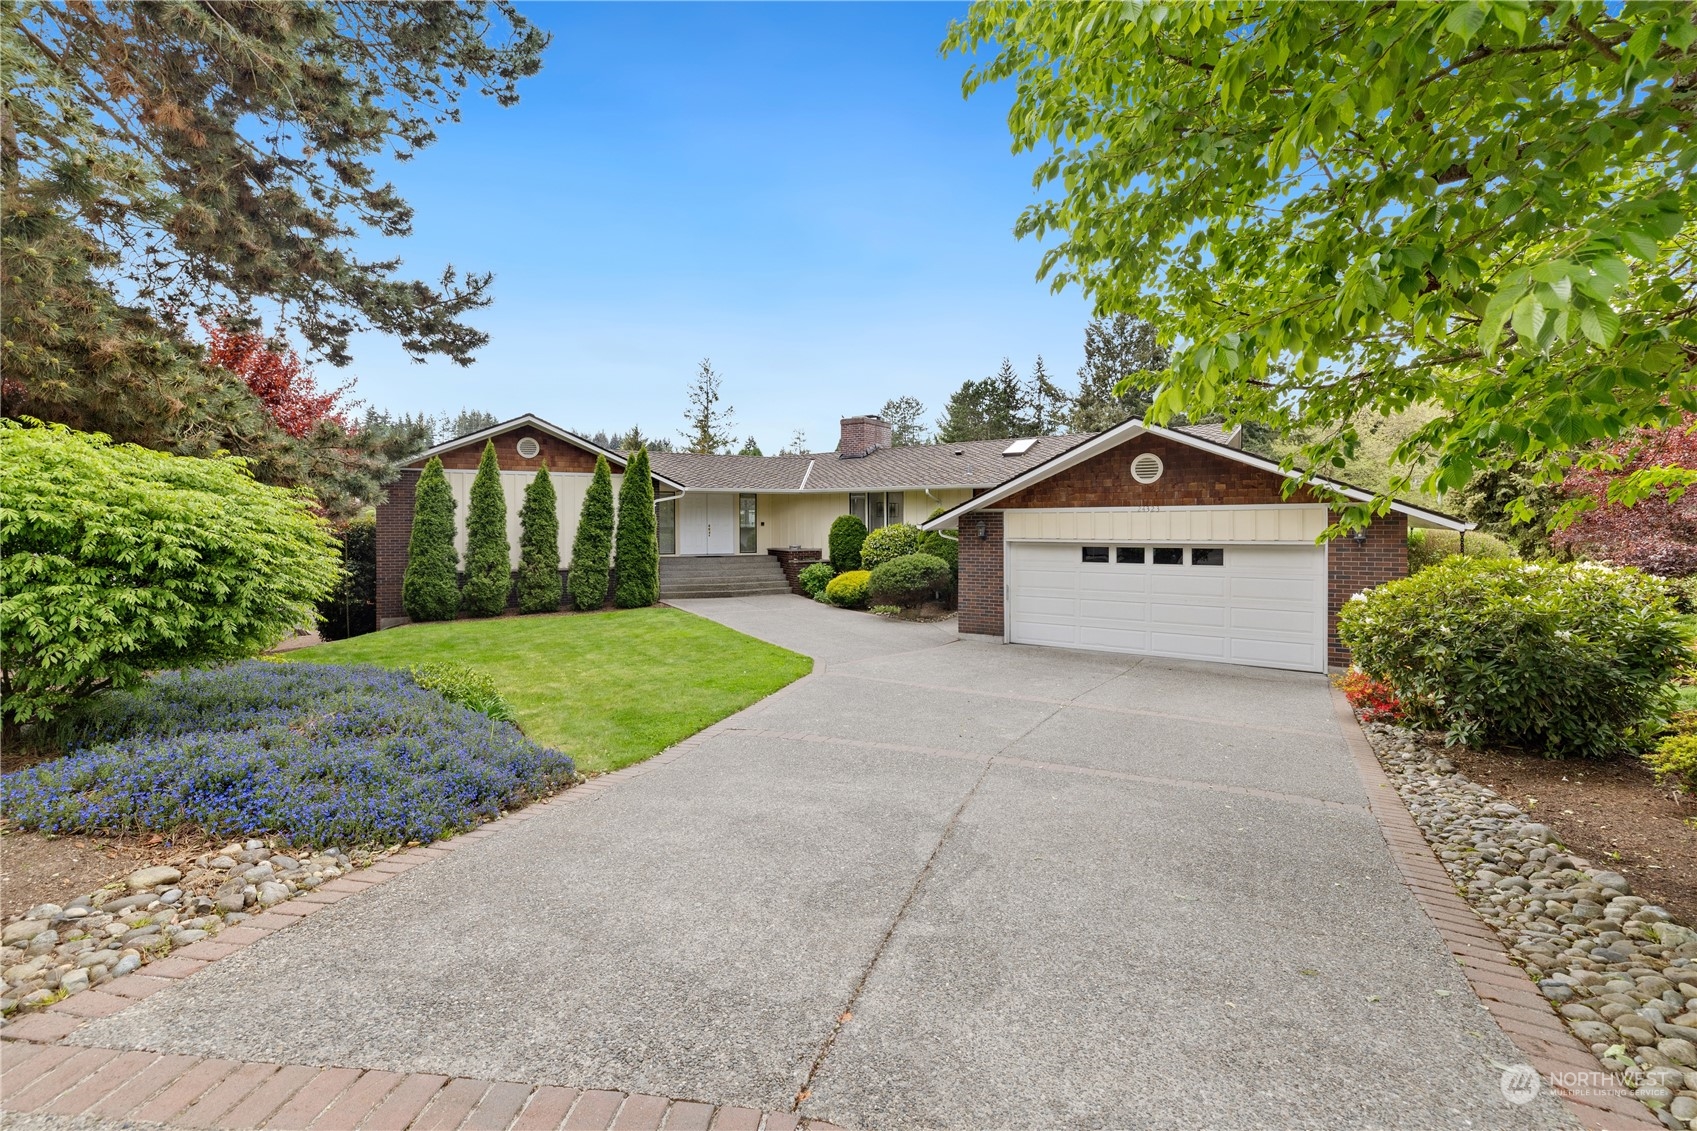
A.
x: 722, y: 590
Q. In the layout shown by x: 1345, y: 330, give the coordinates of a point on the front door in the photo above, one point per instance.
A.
x: 721, y: 523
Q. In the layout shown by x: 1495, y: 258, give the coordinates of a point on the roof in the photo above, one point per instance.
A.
x: 1191, y: 437
x: 971, y: 463
x: 732, y: 473
x: 554, y: 430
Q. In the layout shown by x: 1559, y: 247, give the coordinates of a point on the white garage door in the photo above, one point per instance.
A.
x: 1243, y: 604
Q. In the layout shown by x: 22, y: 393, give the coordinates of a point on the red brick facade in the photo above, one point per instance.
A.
x: 793, y: 562
x: 394, y: 533
x: 556, y: 453
x: 980, y: 596
x: 858, y: 435
x: 1352, y: 567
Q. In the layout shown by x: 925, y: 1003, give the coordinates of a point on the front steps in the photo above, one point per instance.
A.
x: 727, y: 575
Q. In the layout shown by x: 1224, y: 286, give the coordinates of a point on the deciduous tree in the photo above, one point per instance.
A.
x: 1658, y: 534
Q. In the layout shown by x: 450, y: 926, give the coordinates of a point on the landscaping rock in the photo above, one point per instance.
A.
x: 22, y: 932
x: 149, y: 878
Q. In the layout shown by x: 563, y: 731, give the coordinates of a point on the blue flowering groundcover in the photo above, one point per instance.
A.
x: 318, y: 754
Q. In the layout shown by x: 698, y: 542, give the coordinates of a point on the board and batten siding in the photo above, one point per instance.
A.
x: 1277, y: 522
x: 569, y: 490
x: 805, y: 520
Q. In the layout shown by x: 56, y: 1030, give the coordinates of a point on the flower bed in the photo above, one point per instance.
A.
x: 314, y: 753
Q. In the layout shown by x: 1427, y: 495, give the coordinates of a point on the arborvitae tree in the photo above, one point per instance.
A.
x: 592, y: 547
x: 430, y: 587
x: 539, y: 547
x: 637, y: 573
x: 488, y: 555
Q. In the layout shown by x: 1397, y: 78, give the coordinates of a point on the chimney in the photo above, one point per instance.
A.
x: 862, y: 435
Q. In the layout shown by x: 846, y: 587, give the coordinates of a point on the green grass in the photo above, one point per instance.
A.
x: 609, y: 688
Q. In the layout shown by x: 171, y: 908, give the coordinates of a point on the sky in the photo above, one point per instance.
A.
x: 798, y: 192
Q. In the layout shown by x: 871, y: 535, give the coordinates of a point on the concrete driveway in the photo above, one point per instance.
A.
x: 939, y: 884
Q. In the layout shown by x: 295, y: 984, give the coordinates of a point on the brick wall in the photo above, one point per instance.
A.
x: 557, y: 454
x: 1189, y: 478
x: 1352, y: 568
x: 793, y: 562
x: 980, y: 596
x: 394, y: 532
x: 858, y: 435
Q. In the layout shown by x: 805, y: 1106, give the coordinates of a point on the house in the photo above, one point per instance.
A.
x: 1168, y: 542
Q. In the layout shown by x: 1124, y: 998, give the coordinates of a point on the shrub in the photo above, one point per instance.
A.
x: 887, y: 610
x: 1682, y: 591
x: 351, y: 607
x: 488, y: 554
x: 430, y: 587
x: 910, y: 580
x: 116, y: 561
x: 314, y: 753
x: 592, y: 547
x: 1569, y: 659
x: 1374, y: 698
x: 1674, y: 760
x: 1429, y: 547
x: 539, y: 546
x: 636, y: 577
x: 939, y: 545
x: 888, y: 543
x: 848, y: 590
x: 847, y: 535
x: 465, y: 685
x: 815, y: 577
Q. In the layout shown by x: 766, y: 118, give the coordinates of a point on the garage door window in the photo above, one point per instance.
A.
x: 1208, y: 557
x: 1169, y: 555
x: 1129, y: 555
x: 1095, y: 553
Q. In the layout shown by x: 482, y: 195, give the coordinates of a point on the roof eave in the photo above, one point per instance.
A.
x: 553, y: 430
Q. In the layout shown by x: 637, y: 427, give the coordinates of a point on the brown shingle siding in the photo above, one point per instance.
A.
x: 556, y: 453
x: 1189, y: 478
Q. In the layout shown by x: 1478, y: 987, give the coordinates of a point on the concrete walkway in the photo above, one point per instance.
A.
x: 936, y: 884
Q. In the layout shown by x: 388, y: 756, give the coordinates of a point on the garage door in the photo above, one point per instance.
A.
x: 1261, y: 605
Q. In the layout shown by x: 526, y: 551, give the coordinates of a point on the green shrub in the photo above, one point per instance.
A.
x: 815, y: 577
x: 910, y: 580
x: 1568, y: 659
x: 430, y: 587
x: 488, y: 554
x: 848, y: 590
x: 939, y: 545
x: 888, y: 543
x: 465, y: 685
x: 116, y: 561
x: 887, y: 610
x: 1674, y: 761
x: 1429, y: 547
x: 847, y: 535
x: 539, y: 546
x: 592, y: 547
x: 1682, y: 591
x: 351, y: 607
x: 637, y: 574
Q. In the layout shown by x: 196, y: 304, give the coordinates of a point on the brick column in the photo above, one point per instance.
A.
x: 394, y: 534
x: 1352, y: 568
x: 793, y: 562
x: 980, y: 597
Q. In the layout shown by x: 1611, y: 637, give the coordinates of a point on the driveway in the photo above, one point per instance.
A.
x: 938, y: 883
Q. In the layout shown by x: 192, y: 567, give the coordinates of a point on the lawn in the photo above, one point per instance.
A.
x: 609, y: 688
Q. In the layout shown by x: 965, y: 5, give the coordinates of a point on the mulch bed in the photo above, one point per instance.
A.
x: 1611, y: 813
x: 36, y: 869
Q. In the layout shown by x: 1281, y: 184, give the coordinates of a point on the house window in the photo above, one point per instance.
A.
x: 1169, y: 555
x: 1129, y: 555
x: 877, y: 508
x: 748, y: 534
x: 1208, y: 557
x: 666, y: 525
x: 1095, y: 553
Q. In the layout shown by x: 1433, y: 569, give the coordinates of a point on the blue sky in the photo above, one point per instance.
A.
x: 798, y: 192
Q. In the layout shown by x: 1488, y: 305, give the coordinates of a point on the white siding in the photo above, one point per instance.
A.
x: 1287, y: 523
x: 569, y: 490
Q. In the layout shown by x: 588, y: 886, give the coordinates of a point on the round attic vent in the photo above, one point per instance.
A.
x: 528, y: 447
x: 1146, y: 468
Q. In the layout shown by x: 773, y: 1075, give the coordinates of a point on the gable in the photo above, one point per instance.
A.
x: 1190, y: 477
x: 558, y: 454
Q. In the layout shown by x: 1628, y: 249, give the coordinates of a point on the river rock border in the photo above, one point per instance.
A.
x: 1526, y: 921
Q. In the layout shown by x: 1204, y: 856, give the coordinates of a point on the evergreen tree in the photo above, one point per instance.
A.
x: 750, y: 447
x: 637, y: 573
x: 430, y: 587
x: 592, y: 547
x: 465, y: 422
x: 488, y: 555
x: 905, y: 415
x: 1047, y: 407
x: 539, y: 546
x: 710, y: 423
x: 1115, y: 348
x: 991, y: 409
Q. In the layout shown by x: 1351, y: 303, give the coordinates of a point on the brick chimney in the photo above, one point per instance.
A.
x: 862, y: 435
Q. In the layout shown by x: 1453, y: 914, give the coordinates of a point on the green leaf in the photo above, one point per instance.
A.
x: 1529, y: 319
x: 1465, y: 20
x: 1600, y: 324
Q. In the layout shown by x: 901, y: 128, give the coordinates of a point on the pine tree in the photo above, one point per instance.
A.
x: 1047, y: 406
x: 637, y: 573
x: 710, y: 424
x: 539, y: 546
x: 592, y: 547
x: 1115, y: 348
x: 750, y: 447
x: 430, y: 587
x: 992, y: 409
x: 905, y: 416
x: 488, y: 555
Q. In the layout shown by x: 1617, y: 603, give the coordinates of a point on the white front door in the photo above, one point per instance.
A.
x: 1237, y: 604
x: 721, y: 523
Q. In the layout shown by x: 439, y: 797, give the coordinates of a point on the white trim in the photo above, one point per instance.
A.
x: 805, y: 475
x: 540, y: 425
x: 1131, y: 429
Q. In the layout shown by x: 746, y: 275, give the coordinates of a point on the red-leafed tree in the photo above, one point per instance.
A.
x: 1657, y: 534
x: 277, y: 377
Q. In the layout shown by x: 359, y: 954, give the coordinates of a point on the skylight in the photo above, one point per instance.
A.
x: 1020, y: 447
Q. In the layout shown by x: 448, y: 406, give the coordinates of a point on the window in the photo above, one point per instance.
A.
x: 666, y: 525
x: 748, y: 533
x: 1129, y: 555
x: 877, y: 508
x: 1208, y: 557
x: 1169, y: 555
x: 1095, y: 553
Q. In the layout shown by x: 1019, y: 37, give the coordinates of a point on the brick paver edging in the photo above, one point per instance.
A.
x: 1505, y: 989
x: 41, y: 1073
